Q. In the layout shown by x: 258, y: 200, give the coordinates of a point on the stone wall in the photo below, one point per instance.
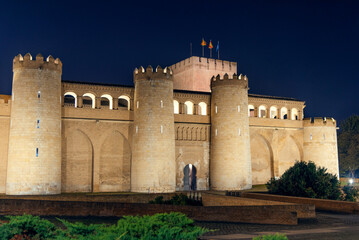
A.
x: 274, y: 150
x: 4, y: 138
x: 96, y: 155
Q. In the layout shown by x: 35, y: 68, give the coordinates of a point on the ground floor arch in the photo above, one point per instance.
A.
x: 262, y: 159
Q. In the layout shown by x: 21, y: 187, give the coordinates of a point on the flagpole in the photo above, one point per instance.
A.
x: 218, y: 49
x: 203, y: 44
x: 210, y: 53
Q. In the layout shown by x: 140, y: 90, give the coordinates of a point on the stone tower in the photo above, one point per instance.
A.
x: 320, y: 143
x: 153, y: 166
x: 34, y: 157
x: 230, y: 164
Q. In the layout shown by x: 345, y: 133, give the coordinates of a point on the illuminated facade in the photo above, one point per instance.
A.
x: 179, y: 128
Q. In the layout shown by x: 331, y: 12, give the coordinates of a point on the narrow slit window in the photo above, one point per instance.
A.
x: 216, y: 109
x: 161, y: 129
x: 239, y: 132
x: 136, y: 129
x: 323, y: 136
x: 161, y: 104
x: 38, y: 124
x: 38, y: 94
x: 138, y: 104
x: 311, y: 137
x: 216, y: 132
x: 239, y: 108
x: 37, y: 152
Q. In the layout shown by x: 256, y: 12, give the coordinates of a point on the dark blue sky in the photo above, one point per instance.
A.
x: 303, y: 49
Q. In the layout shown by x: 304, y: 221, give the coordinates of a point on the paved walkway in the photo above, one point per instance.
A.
x: 327, y: 226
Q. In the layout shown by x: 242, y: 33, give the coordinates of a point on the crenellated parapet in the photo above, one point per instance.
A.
x: 39, y: 63
x: 152, y: 74
x: 319, y: 122
x: 205, y: 63
x: 235, y: 80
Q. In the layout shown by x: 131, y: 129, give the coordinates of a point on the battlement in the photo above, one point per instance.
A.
x: 319, y: 121
x: 235, y: 80
x: 5, y: 99
x: 148, y: 73
x: 206, y: 63
x: 27, y: 62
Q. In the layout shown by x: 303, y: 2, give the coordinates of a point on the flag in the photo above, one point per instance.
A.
x: 203, y: 43
x: 217, y: 48
x: 210, y: 46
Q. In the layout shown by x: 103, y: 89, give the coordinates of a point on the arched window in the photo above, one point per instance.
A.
x: 250, y: 111
x: 188, y: 107
x: 284, y: 113
x: 70, y: 98
x: 294, y: 114
x: 273, y: 112
x: 89, y: 100
x: 106, y: 100
x: 262, y: 111
x: 175, y: 107
x: 124, y: 102
x: 202, y: 108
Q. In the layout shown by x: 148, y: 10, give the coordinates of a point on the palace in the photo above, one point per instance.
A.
x: 190, y: 126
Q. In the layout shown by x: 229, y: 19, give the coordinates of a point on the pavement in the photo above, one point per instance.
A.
x: 327, y: 226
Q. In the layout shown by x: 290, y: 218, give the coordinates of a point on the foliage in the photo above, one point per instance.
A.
x: 178, y: 199
x: 158, y: 226
x: 351, y: 193
x: 27, y: 227
x: 306, y: 180
x: 277, y: 236
x: 348, y: 146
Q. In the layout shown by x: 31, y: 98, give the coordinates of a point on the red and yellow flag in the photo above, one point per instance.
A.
x: 203, y: 43
x: 210, y: 46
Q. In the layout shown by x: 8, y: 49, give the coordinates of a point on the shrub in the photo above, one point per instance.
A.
x: 306, y: 180
x: 178, y: 199
x: 158, y: 226
x: 27, y: 227
x: 277, y: 236
x: 350, y: 193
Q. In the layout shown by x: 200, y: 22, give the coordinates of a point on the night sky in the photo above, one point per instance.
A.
x: 307, y: 50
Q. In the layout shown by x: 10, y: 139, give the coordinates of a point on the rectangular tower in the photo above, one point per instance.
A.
x: 194, y: 73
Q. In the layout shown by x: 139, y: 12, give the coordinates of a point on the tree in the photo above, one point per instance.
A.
x: 348, y: 146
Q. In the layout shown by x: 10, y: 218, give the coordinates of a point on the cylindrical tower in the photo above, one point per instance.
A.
x: 34, y: 158
x: 230, y: 165
x: 320, y: 143
x: 153, y: 166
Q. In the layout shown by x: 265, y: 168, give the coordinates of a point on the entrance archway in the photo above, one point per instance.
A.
x: 190, y: 178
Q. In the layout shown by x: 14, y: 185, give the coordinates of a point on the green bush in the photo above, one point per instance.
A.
x: 350, y: 193
x: 178, y: 199
x: 277, y: 236
x: 158, y: 226
x: 28, y: 226
x: 306, y: 180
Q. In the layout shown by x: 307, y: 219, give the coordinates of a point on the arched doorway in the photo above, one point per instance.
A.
x: 190, y: 178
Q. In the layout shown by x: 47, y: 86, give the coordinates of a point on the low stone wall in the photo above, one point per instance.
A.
x: 320, y: 204
x: 302, y: 210
x: 245, y: 214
